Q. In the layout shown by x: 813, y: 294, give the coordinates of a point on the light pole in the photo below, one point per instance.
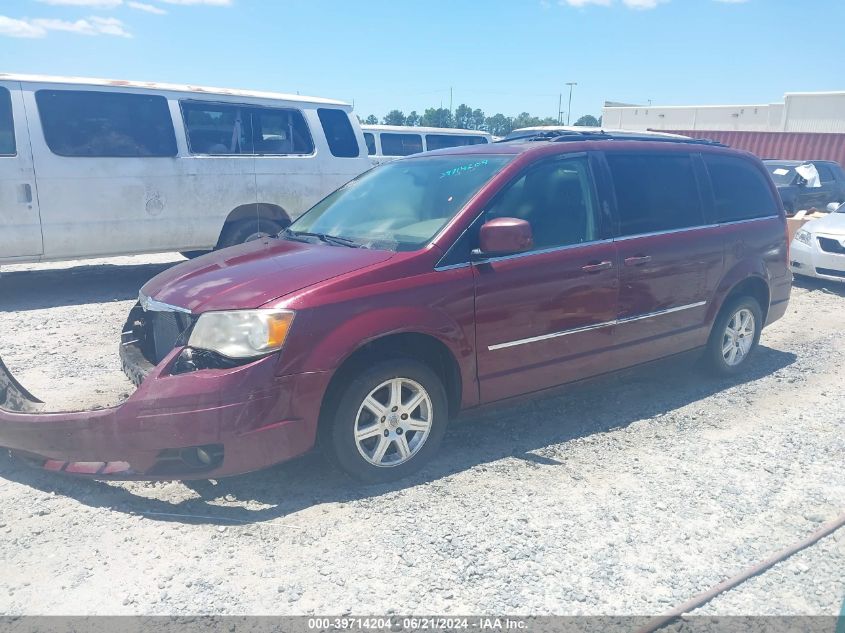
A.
x: 571, y: 85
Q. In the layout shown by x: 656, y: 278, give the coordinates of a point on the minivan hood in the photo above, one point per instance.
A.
x: 831, y: 224
x: 250, y: 275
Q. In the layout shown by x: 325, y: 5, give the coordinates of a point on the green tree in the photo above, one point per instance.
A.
x: 394, y: 117
x: 463, y: 117
x: 371, y: 120
x: 437, y: 117
x: 413, y: 118
x: 588, y: 120
x: 499, y: 124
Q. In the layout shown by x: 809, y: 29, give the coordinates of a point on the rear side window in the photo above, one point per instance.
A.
x: 442, y: 141
x: 106, y: 124
x: 825, y: 172
x: 232, y: 129
x: 371, y: 143
x: 740, y: 191
x: 7, y: 124
x: 655, y: 192
x: 339, y: 133
x: 400, y: 144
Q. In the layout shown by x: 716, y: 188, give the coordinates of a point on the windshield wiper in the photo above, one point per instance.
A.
x: 323, y: 237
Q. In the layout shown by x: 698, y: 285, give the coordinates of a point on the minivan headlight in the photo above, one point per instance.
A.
x: 241, y: 333
x: 804, y: 237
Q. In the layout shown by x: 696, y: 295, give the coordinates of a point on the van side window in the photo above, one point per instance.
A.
x: 224, y: 129
x: 655, y: 192
x: 825, y: 172
x: 106, y: 124
x: 400, y: 144
x: 339, y: 133
x: 7, y: 124
x: 371, y: 143
x: 556, y: 198
x: 442, y: 141
x: 740, y: 191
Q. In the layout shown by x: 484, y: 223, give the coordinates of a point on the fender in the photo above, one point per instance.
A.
x: 741, y: 271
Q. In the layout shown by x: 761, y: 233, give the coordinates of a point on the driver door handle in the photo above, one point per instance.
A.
x: 594, y: 267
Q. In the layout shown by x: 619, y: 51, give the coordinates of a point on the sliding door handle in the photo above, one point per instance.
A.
x: 25, y: 194
x: 639, y: 260
x: 595, y: 267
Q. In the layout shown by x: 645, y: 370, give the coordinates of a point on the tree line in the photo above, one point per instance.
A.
x: 466, y: 118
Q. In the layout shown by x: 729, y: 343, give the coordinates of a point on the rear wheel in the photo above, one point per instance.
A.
x: 246, y: 231
x: 735, y: 336
x: 387, y: 422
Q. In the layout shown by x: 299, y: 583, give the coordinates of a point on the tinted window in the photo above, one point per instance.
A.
x: 441, y: 141
x: 400, y: 144
x: 371, y: 143
x: 339, y: 133
x: 740, y: 191
x: 7, y: 124
x: 105, y: 124
x: 556, y: 199
x: 215, y: 128
x: 825, y: 172
x: 655, y: 192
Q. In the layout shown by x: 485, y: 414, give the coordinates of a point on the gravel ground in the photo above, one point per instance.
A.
x: 624, y: 495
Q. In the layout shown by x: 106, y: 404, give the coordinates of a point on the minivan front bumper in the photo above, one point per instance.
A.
x: 196, y: 425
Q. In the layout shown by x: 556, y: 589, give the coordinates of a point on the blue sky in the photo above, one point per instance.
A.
x: 503, y: 56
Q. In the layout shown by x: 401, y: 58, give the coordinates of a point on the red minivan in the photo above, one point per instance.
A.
x: 427, y: 286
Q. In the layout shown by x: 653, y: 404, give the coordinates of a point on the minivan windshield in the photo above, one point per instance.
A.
x: 401, y: 205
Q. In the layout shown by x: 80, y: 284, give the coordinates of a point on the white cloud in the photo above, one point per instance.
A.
x: 631, y: 4
x: 148, y: 8
x: 584, y: 3
x: 642, y: 4
x: 213, y: 3
x: 39, y: 27
x: 91, y: 4
x: 10, y: 27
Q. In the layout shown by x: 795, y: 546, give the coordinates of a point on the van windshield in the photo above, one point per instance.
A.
x: 401, y: 205
x: 781, y: 174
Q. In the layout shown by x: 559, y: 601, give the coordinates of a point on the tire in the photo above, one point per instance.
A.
x: 722, y: 359
x: 193, y: 254
x: 247, y: 230
x: 385, y: 434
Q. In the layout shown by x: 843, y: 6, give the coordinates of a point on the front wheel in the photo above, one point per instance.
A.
x: 387, y: 422
x: 735, y: 336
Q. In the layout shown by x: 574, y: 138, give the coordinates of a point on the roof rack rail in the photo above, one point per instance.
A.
x: 565, y: 136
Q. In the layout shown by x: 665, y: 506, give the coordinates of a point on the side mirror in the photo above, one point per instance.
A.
x: 504, y: 236
x: 801, y: 182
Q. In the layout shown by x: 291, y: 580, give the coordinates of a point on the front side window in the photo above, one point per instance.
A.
x: 371, y: 143
x: 106, y: 124
x: 7, y: 124
x: 339, y: 133
x: 740, y: 191
x: 556, y: 198
x: 655, y: 192
x: 442, y: 141
x: 401, y: 205
x: 400, y: 144
x: 232, y: 129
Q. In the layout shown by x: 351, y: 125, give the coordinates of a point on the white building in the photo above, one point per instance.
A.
x: 814, y: 112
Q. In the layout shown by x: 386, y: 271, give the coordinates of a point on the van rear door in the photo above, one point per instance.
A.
x: 20, y: 220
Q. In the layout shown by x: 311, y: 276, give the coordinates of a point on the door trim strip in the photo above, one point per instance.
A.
x: 597, y: 326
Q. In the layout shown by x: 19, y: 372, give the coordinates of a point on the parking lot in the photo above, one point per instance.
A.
x: 625, y: 495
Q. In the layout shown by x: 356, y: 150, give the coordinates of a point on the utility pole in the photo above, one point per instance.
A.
x: 571, y: 85
x: 450, y: 102
x: 559, y: 106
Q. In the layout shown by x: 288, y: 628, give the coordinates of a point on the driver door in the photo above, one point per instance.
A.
x: 546, y: 317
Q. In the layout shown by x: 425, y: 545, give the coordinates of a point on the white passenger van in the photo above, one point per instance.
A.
x: 99, y: 168
x: 388, y: 142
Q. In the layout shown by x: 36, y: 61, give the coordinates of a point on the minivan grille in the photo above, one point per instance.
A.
x: 167, y: 327
x: 831, y: 246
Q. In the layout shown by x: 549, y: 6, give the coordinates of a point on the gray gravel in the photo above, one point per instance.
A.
x: 625, y: 495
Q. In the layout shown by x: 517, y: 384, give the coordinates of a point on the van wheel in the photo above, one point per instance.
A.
x: 735, y: 336
x: 387, y: 422
x: 247, y: 231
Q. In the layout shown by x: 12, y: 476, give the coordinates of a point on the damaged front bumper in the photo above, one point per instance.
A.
x: 179, y: 424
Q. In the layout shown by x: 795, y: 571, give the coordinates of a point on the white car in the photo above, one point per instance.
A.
x: 818, y: 249
x: 389, y: 142
x: 94, y: 168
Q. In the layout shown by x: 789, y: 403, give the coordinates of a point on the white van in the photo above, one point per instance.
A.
x: 94, y: 168
x: 389, y: 142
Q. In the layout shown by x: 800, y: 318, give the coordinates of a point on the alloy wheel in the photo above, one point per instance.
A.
x: 738, y: 337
